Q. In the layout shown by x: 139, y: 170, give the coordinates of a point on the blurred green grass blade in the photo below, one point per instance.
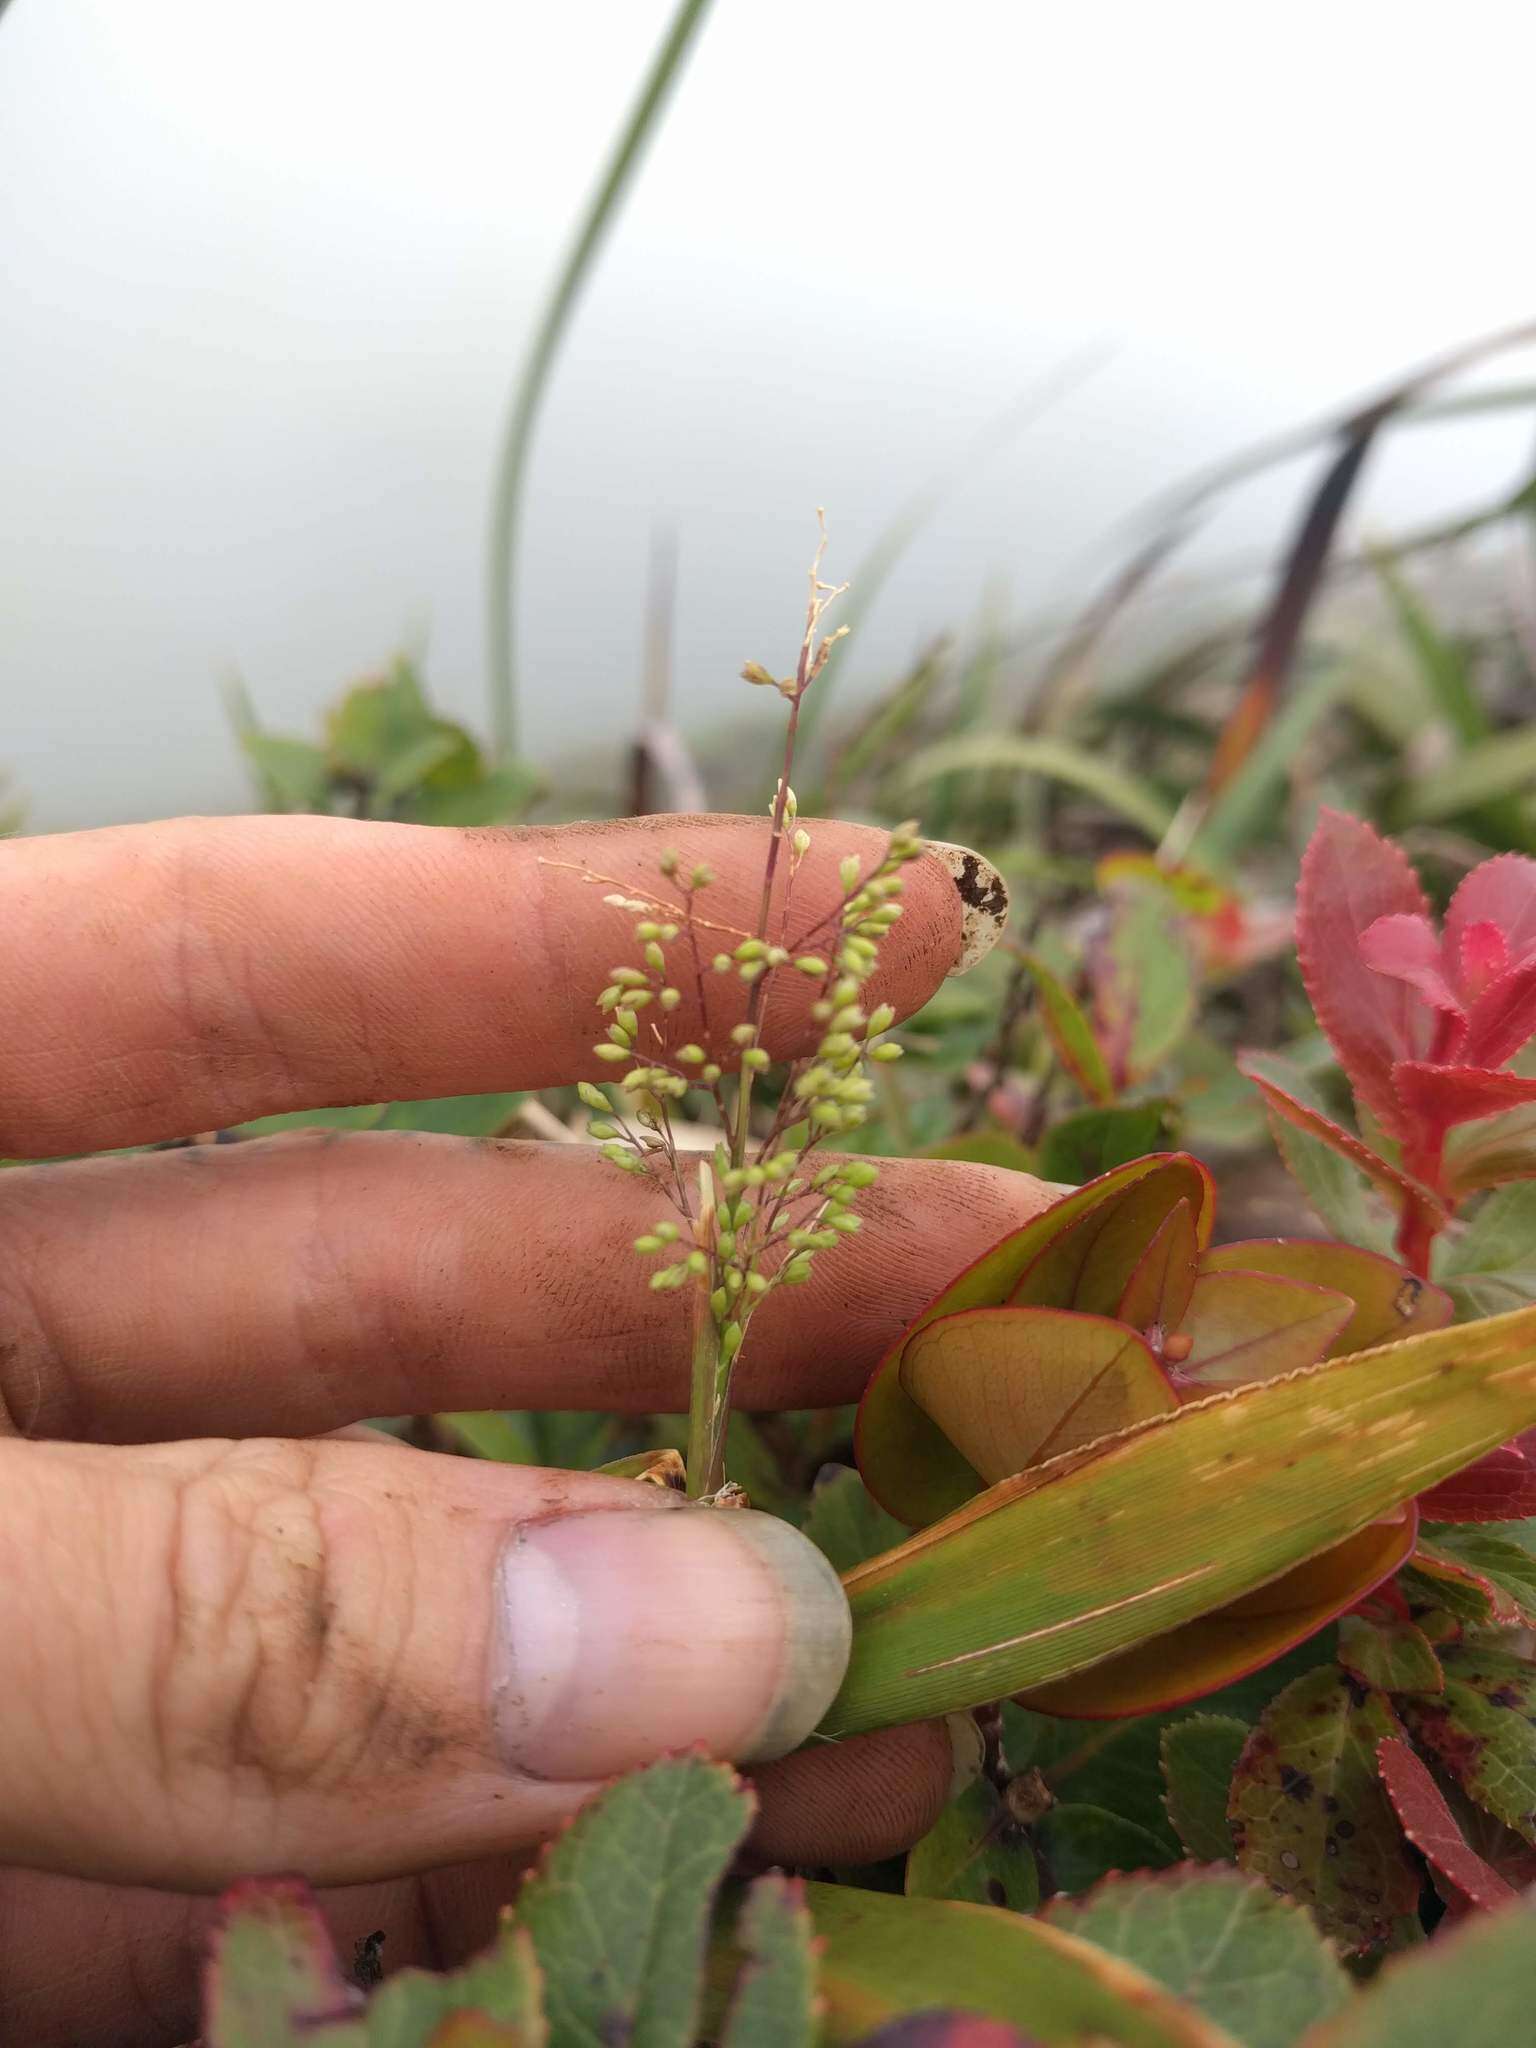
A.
x: 1105, y: 1548
x: 1052, y: 759
x: 1441, y: 663
x: 512, y: 468
x: 1502, y: 765
x: 1240, y: 812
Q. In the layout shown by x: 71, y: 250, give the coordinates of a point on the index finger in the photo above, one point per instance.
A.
x: 162, y: 979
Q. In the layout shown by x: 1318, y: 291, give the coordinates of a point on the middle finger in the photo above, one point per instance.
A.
x: 293, y: 1285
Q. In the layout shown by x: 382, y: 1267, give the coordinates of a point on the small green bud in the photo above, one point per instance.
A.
x: 655, y: 957
x: 727, y: 1244
x: 668, y: 862
x: 668, y: 1277
x: 827, y: 1115
x: 594, y: 1098
x: 721, y: 963
x: 757, y: 1283
x: 649, y: 1244
x: 801, y: 843
x: 753, y: 970
x: 730, y: 1341
x: 797, y: 1270
x: 857, y: 1173
x: 669, y: 933
x: 881, y: 1019
x: 756, y: 1059
x: 666, y: 1230
x: 611, y: 1052
x: 744, y: 1034
x: 625, y: 1021
x: 719, y: 1302
x: 848, y: 871
x: 648, y: 930
x: 733, y: 1282
x: 751, y: 949
x: 627, y: 977
x: 741, y: 1215
x: 690, y: 1055
x: 701, y: 877
x: 697, y: 1263
x: 670, y: 998
x: 885, y: 1053
x: 846, y: 1223
x: 601, y: 1128
x: 710, y: 1075
x: 754, y: 672
x: 756, y: 1177
x: 610, y: 997
x: 811, y: 963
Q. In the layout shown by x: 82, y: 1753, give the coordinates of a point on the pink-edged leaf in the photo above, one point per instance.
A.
x: 1500, y: 1487
x: 1437, y: 1097
x: 1430, y: 1825
x: 1158, y: 1291
x: 1501, y: 1563
x: 1012, y: 1387
x: 271, y: 1970
x: 1390, y: 1302
x: 1502, y: 1019
x: 1500, y: 892
x: 1255, y: 1326
x: 1350, y: 877
x: 1088, y: 1264
x: 1408, y: 949
x: 1400, y: 1187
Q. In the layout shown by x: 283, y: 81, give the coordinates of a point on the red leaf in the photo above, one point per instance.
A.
x: 1437, y: 1097
x: 1350, y: 877
x: 1401, y: 1187
x: 1407, y: 949
x: 1431, y: 1827
x: 1483, y: 960
x: 1502, y: 1019
x: 1501, y: 892
x: 1500, y: 1487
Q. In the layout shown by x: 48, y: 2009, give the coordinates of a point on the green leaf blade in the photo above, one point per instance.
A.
x: 625, y: 1961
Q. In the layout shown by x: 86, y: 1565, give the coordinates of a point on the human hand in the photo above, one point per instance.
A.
x: 232, y: 1643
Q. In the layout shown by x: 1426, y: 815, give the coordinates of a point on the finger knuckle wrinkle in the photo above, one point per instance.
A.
x: 257, y: 1680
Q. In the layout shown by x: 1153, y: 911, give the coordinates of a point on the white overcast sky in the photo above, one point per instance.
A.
x: 265, y: 274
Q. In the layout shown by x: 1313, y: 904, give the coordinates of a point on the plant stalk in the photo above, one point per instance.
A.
x: 512, y: 468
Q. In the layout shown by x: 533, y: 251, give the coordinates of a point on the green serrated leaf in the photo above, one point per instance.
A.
x: 1112, y: 1765
x: 1080, y: 1844
x: 975, y: 1850
x: 273, y: 1978
x: 503, y: 1985
x: 1248, y: 1960
x: 1473, y: 1987
x: 774, y: 2002
x: 1200, y: 1754
x: 1482, y: 1730
x: 1389, y: 1655
x: 1309, y: 1814
x: 845, y: 1521
x: 619, y: 1909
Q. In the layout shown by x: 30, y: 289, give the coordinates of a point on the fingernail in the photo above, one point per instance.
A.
x: 968, y: 1747
x: 621, y: 1636
x: 983, y: 901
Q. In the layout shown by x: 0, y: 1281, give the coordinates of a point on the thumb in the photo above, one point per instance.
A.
x: 245, y: 1657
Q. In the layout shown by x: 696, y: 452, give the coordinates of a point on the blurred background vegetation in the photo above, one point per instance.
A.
x: 1142, y: 752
